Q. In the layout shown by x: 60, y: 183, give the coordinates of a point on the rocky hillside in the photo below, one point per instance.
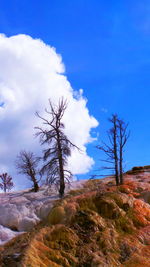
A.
x: 97, y: 225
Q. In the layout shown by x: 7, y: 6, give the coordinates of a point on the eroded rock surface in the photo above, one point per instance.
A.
x: 97, y: 224
x: 21, y: 211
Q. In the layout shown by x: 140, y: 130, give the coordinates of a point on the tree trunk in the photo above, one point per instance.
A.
x: 61, y: 169
x: 34, y: 180
x: 120, y: 163
x: 115, y: 153
x: 62, y: 180
x: 116, y: 172
x: 5, y: 187
x: 36, y: 187
x: 121, y: 153
x: 62, y: 184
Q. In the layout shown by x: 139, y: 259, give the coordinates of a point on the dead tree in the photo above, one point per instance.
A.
x: 6, y: 183
x: 111, y: 150
x: 27, y: 163
x: 58, y: 146
x: 117, y: 137
x: 123, y: 136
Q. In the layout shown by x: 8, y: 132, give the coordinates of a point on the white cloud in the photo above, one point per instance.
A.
x: 31, y: 72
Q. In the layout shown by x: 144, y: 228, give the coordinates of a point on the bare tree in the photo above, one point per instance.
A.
x: 117, y: 136
x: 27, y: 163
x: 111, y: 149
x: 6, y: 183
x: 59, y: 146
x: 123, y: 135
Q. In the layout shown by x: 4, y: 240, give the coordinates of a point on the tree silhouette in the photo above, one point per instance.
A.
x: 123, y: 135
x: 114, y: 150
x: 27, y: 164
x: 6, y: 183
x: 59, y: 146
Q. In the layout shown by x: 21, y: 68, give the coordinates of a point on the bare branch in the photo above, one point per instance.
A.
x: 59, y: 146
x: 118, y: 137
x: 6, y: 183
x: 27, y: 163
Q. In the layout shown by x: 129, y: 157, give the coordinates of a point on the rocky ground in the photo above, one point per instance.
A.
x: 95, y: 224
x: 21, y: 211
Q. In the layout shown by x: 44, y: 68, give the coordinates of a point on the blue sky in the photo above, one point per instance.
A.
x: 105, y: 46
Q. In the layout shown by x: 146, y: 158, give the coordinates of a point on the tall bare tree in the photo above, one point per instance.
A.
x: 27, y: 163
x: 123, y: 135
x: 111, y: 149
x: 6, y: 183
x: 58, y: 145
x: 117, y: 136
